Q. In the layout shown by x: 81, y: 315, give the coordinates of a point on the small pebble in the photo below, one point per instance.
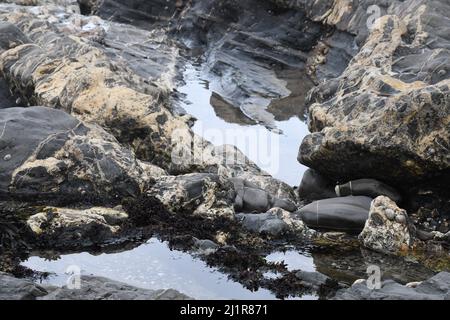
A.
x: 390, y: 214
x: 413, y: 284
x: 7, y: 157
x: 400, y: 219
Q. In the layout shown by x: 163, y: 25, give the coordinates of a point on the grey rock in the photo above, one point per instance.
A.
x: 205, y: 246
x: 389, y: 103
x: 98, y: 288
x: 436, y: 288
x: 313, y: 280
x: 18, y: 289
x: 390, y: 214
x: 368, y: 187
x: 11, y: 36
x: 250, y: 198
x: 347, y: 214
x: 315, y: 187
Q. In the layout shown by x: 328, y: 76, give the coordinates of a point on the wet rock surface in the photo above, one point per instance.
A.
x: 382, y: 117
x: 341, y: 214
x: 436, y: 288
x: 276, y: 222
x: 92, y: 288
x: 16, y: 289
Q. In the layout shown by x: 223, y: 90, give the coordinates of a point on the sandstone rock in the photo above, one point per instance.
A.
x: 436, y: 288
x: 384, y: 234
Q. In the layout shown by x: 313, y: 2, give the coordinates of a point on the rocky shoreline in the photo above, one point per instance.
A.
x: 95, y: 151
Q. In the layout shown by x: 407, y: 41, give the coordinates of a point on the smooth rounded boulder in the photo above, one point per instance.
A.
x: 368, y: 187
x: 252, y: 199
x: 315, y: 187
x: 347, y: 214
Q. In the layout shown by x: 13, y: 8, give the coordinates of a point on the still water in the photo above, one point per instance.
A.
x: 154, y: 266
x: 220, y: 123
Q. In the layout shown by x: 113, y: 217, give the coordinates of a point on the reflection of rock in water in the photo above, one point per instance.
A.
x: 228, y: 112
x: 293, y: 105
x: 349, y: 266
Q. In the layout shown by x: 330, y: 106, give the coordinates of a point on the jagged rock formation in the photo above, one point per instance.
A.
x: 109, y: 129
x: 275, y: 222
x: 116, y: 77
x: 255, y: 52
x: 386, y: 116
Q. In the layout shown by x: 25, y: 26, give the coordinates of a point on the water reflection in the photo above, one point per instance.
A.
x: 151, y: 266
x: 215, y: 115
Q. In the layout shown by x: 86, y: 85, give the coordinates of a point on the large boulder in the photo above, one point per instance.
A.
x: 91, y: 288
x: 314, y: 186
x: 388, y: 229
x: 48, y: 154
x: 386, y: 117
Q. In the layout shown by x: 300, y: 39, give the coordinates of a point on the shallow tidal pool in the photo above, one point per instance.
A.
x: 154, y: 266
